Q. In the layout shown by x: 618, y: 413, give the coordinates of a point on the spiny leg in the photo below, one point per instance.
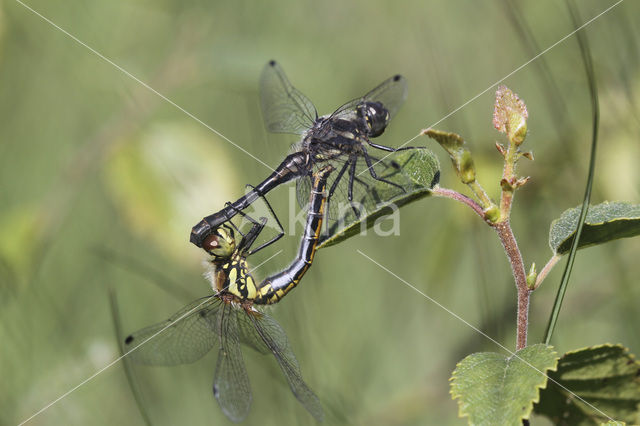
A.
x: 280, y: 230
x: 226, y: 205
x: 352, y: 176
x: 390, y: 149
x: 256, y: 229
x: 263, y: 222
x: 373, y: 174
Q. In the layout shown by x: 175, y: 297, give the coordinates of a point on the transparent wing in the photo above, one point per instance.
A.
x: 185, y: 337
x: 276, y: 340
x: 231, y: 386
x: 391, y: 93
x: 249, y: 336
x: 284, y: 108
x: 303, y: 191
x: 367, y: 192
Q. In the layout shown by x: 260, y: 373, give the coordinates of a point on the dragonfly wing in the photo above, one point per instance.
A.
x: 184, y: 338
x: 276, y: 340
x: 249, y: 336
x: 303, y: 191
x: 231, y: 386
x: 284, y: 108
x: 391, y: 93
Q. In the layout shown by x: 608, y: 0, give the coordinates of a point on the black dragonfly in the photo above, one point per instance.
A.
x: 340, y: 139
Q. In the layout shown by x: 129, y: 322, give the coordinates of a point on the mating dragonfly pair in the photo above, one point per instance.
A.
x: 332, y: 166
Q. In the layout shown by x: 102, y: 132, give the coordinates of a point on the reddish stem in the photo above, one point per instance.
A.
x: 508, y: 240
x: 455, y: 195
x: 503, y: 229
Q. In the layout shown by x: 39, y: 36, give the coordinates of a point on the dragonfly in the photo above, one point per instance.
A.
x: 229, y: 317
x: 341, y: 139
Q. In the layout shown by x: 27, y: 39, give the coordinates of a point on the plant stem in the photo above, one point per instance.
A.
x: 455, y: 195
x: 508, y: 174
x: 479, y: 192
x: 547, y: 268
x: 508, y: 240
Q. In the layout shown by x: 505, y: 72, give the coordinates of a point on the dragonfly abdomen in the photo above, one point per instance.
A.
x: 274, y: 288
x: 294, y: 166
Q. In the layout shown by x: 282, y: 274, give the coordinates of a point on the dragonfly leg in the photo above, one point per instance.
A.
x: 382, y: 147
x: 227, y: 204
x: 293, y: 167
x: 352, y: 177
x: 373, y: 174
x: 280, y: 228
x: 390, y: 149
x: 256, y: 228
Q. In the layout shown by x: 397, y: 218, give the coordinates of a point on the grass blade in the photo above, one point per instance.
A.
x: 591, y: 78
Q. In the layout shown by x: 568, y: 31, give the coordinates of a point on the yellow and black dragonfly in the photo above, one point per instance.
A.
x: 229, y: 317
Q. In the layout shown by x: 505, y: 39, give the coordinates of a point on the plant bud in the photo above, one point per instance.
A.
x: 510, y: 115
x: 531, y: 277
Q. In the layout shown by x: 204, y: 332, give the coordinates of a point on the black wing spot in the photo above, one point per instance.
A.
x: 395, y: 165
x: 397, y: 77
x: 216, y: 391
x: 202, y: 313
x: 128, y: 340
x: 272, y: 63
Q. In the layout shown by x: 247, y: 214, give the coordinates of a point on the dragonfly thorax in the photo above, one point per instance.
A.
x: 233, y: 277
x: 335, y: 137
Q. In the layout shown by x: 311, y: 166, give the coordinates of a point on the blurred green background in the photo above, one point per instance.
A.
x: 101, y: 181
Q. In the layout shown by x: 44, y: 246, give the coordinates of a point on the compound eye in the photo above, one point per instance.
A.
x: 220, y: 244
x: 211, y: 243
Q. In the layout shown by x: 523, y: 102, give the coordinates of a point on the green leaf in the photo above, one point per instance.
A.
x: 598, y: 383
x: 605, y: 222
x: 418, y: 172
x: 493, y: 389
x: 458, y: 152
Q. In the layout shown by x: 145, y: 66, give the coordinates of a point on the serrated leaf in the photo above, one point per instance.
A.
x: 605, y: 222
x: 598, y: 383
x: 493, y: 389
x: 418, y: 168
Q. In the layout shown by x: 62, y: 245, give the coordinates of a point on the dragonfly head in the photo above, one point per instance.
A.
x: 221, y: 243
x: 375, y: 116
